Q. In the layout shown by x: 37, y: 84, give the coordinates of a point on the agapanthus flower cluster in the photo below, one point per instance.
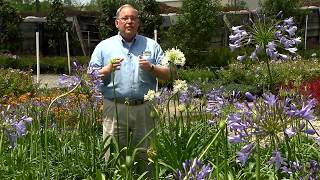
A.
x: 308, y: 170
x: 151, y: 95
x: 174, y: 56
x: 268, y: 119
x: 68, y: 81
x: 194, y: 169
x: 180, y: 86
x: 217, y: 101
x: 14, y: 123
x: 89, y: 82
x: 192, y: 92
x: 278, y: 40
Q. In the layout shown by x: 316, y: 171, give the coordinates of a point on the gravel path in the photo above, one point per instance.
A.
x: 47, y: 80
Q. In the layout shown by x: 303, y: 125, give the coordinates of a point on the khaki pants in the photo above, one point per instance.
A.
x: 135, y: 119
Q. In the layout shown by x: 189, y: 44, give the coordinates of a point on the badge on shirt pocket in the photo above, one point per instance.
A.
x: 146, y: 55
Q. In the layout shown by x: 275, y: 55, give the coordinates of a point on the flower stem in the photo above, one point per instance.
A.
x: 116, y: 107
x: 46, y: 125
x: 1, y: 139
x: 270, y: 75
x: 209, y: 145
x: 258, y: 160
x: 127, y: 124
x: 226, y: 153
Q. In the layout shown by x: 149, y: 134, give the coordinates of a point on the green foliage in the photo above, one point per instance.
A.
x: 254, y: 77
x: 194, y: 29
x: 10, y: 35
x: 149, y: 12
x: 107, y: 18
x: 47, y: 64
x: 240, y: 5
x: 109, y: 9
x: 199, y: 76
x: 69, y: 145
x: 57, y: 26
x: 149, y: 16
x: 288, y: 7
x: 15, y: 82
x: 196, y: 74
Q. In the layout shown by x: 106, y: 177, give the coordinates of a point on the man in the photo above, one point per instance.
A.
x: 130, y: 64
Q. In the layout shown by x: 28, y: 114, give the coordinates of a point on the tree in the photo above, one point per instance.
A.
x: 57, y: 26
x: 288, y: 7
x: 149, y: 16
x: 10, y: 35
x: 194, y: 28
x: 109, y: 9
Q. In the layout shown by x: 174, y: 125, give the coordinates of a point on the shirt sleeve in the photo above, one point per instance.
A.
x: 96, y: 60
x: 159, y: 53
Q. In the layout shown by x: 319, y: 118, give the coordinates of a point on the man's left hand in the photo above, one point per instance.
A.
x: 145, y: 65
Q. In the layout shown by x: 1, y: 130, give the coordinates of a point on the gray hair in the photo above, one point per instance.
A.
x: 125, y: 6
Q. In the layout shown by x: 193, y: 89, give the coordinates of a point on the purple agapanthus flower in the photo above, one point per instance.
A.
x: 270, y: 99
x: 242, y: 158
x: 284, y: 38
x: 216, y: 102
x: 250, y: 96
x: 276, y: 159
x: 290, y: 132
x: 15, y: 123
x: 193, y: 169
x: 235, y: 139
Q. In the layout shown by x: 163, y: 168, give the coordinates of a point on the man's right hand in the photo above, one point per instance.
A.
x: 114, y: 65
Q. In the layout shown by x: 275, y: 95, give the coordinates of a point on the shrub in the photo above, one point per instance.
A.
x: 56, y: 26
x: 14, y: 83
x: 109, y: 9
x: 10, y: 35
x: 197, y: 21
x: 149, y: 16
x: 196, y: 74
x: 288, y: 7
x: 254, y: 78
x: 56, y: 64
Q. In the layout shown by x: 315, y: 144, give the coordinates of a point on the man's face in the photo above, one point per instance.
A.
x: 128, y: 22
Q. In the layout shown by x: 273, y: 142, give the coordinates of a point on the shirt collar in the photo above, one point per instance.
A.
x: 124, y: 41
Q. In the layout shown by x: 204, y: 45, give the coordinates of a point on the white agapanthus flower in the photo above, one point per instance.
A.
x: 181, y: 108
x: 180, y: 86
x: 174, y: 56
x: 151, y: 94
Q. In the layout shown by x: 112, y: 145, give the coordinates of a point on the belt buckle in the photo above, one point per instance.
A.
x: 135, y: 102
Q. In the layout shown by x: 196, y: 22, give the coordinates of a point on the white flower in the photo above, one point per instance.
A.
x: 174, y: 56
x: 313, y: 54
x: 179, y: 86
x: 151, y: 94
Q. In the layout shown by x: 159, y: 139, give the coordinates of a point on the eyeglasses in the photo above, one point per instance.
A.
x: 126, y: 19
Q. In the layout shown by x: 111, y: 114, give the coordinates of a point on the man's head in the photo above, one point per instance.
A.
x: 127, y: 21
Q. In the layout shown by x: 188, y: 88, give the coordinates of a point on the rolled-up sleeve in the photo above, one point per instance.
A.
x: 159, y: 54
x: 96, y: 60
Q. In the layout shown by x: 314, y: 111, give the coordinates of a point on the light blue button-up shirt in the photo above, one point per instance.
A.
x: 130, y: 81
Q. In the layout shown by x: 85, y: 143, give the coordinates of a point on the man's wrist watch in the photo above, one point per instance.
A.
x: 152, y: 68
